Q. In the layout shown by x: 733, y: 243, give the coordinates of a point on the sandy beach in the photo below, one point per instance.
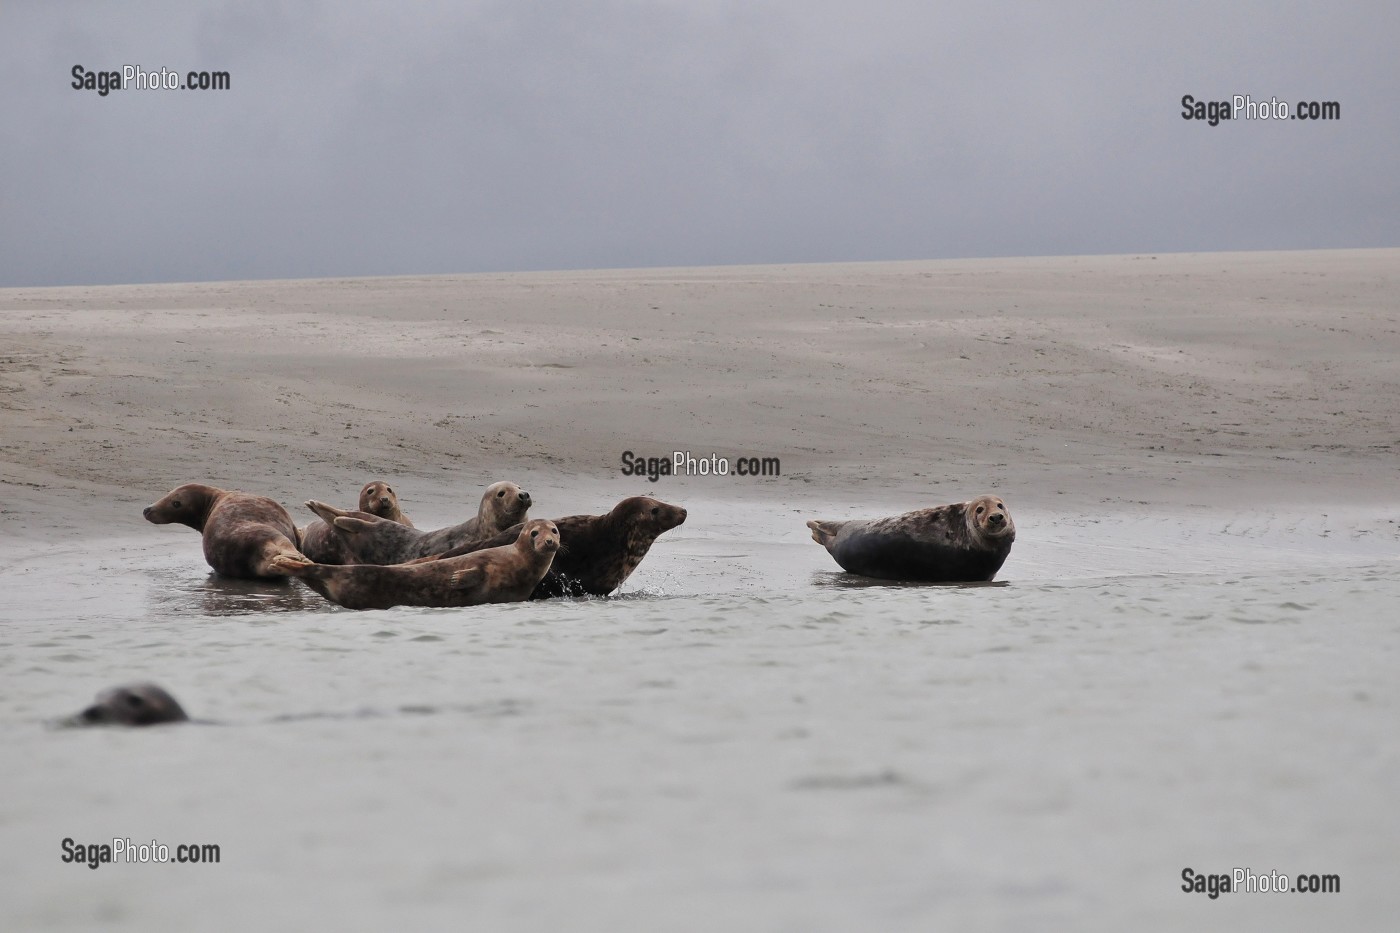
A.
x: 1108, y: 382
x: 1188, y: 663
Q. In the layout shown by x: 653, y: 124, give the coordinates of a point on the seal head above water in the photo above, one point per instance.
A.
x: 142, y: 704
x: 242, y: 532
x: 962, y: 543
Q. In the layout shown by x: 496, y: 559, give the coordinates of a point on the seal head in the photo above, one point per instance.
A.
x: 143, y: 704
x: 378, y: 498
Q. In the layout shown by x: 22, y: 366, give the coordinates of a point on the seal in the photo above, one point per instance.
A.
x: 962, y: 543
x: 598, y: 552
x: 242, y: 532
x: 504, y: 574
x: 142, y: 704
x: 369, y: 539
x: 324, y: 546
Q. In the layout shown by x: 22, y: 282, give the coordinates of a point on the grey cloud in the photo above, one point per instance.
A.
x: 361, y: 140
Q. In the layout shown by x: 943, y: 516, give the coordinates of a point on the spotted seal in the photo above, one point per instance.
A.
x: 242, y: 532
x: 504, y: 574
x: 962, y: 543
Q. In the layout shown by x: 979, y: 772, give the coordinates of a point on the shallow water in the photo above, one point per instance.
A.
x: 745, y: 739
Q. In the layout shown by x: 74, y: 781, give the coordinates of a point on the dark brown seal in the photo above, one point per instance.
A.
x: 494, y: 575
x: 599, y: 552
x: 132, y: 705
x: 962, y: 543
x: 242, y: 532
x: 368, y: 539
x: 320, y: 543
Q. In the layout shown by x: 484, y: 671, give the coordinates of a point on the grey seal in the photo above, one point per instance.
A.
x: 966, y: 542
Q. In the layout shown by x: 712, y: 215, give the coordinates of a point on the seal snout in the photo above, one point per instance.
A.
x: 997, y: 518
x: 146, y: 512
x: 524, y: 497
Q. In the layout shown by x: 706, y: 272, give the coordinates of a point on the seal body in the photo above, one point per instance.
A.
x: 368, y: 539
x: 142, y: 704
x: 962, y: 543
x: 320, y: 543
x: 504, y: 574
x: 599, y: 552
x: 242, y: 532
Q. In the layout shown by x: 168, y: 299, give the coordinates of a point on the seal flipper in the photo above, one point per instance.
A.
x: 467, y: 577
x: 326, y: 513
x: 292, y: 564
x: 824, y: 533
x: 273, y: 554
x: 352, y: 525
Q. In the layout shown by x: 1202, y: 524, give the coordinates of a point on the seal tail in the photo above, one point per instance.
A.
x: 326, y: 513
x: 824, y: 532
x: 293, y: 565
x: 351, y: 525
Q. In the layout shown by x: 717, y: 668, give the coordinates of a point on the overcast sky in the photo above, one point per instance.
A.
x: 373, y: 138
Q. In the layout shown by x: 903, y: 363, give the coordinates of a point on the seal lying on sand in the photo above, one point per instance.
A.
x: 368, y: 539
x: 962, y: 543
x: 598, y: 552
x: 242, y: 532
x: 131, y: 705
x: 324, y: 546
x: 504, y: 574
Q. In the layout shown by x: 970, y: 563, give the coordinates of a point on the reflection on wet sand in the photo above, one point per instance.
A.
x: 840, y: 580
x: 174, y: 593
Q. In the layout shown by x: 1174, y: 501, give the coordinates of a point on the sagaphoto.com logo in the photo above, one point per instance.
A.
x: 1245, y: 107
x: 134, y: 77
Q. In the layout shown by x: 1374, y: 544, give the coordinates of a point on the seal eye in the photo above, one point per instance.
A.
x: 501, y: 494
x: 981, y: 509
x: 534, y: 534
x: 175, y: 504
x: 655, y: 511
